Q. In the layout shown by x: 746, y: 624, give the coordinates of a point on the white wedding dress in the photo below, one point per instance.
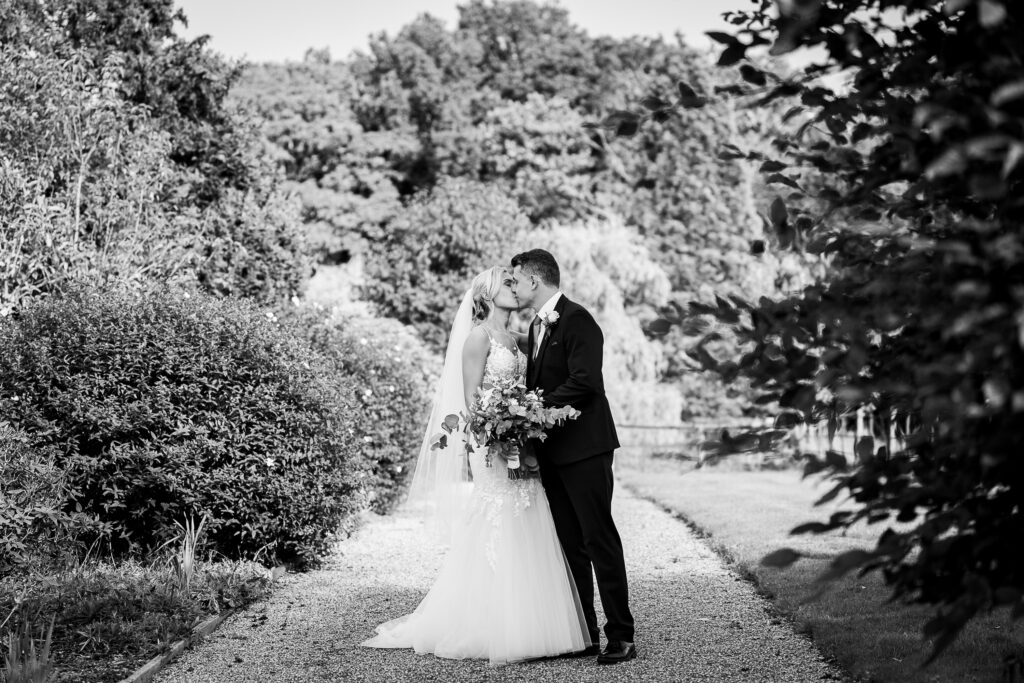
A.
x: 504, y: 592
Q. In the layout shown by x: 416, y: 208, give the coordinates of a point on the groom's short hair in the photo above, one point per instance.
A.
x: 540, y: 263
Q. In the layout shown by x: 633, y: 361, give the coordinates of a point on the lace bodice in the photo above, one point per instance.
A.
x: 503, y: 363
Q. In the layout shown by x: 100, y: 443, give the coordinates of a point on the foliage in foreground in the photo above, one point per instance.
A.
x: 162, y: 406
x: 109, y: 619
x: 922, y: 320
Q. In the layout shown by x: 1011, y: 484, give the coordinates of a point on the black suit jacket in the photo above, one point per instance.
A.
x: 568, y: 369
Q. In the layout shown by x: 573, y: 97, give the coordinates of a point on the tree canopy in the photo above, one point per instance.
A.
x: 121, y: 159
x: 496, y: 106
x: 907, y: 181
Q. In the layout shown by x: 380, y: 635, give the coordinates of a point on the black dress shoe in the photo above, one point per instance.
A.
x: 617, y: 651
x: 589, y: 651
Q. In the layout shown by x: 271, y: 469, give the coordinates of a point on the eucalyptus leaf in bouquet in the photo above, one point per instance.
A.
x: 505, y: 418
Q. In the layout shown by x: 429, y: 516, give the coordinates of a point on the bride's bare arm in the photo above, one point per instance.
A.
x: 474, y: 357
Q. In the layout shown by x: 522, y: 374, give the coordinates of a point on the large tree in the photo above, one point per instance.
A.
x: 907, y: 179
x: 121, y: 159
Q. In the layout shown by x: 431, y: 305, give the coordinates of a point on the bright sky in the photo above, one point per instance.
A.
x: 280, y: 30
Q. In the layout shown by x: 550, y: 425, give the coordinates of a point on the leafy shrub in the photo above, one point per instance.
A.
x: 129, y: 609
x: 919, y: 320
x: 163, y: 405
x: 35, y: 533
x: 97, y: 186
x: 392, y: 374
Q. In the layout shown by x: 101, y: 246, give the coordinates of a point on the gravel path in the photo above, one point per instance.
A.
x: 696, y: 619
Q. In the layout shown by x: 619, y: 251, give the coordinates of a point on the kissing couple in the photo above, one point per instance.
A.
x: 517, y: 582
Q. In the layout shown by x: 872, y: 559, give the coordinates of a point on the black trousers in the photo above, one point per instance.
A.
x: 580, y: 495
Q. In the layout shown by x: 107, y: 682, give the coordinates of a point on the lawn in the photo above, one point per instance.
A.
x: 746, y: 514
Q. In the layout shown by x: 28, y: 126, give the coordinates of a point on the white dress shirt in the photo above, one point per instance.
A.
x: 548, y: 306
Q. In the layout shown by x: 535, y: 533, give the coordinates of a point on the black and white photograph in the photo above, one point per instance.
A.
x: 544, y: 341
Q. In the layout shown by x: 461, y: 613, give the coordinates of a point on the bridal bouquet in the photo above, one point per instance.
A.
x: 504, y: 419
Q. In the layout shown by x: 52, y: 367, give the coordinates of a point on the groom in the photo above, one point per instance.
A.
x: 564, y: 359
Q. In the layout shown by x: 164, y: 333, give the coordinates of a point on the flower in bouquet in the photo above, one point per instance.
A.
x: 504, y: 419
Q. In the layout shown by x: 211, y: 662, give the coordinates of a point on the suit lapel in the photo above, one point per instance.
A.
x: 548, y: 334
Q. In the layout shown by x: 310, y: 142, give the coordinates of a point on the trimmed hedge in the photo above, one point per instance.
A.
x: 394, y: 373
x: 36, y: 534
x: 161, y: 405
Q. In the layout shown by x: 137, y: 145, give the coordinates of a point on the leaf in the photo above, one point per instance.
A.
x: 753, y: 75
x: 689, y: 98
x: 723, y: 38
x: 835, y: 460
x: 778, y: 212
x: 772, y: 166
x: 780, y: 558
x: 658, y: 328
x: 628, y: 128
x: 1007, y: 92
x: 615, y: 119
x: 685, y: 91
x: 732, y: 54
x: 785, y: 180
x: 951, y: 7
x: 861, y: 131
x: 865, y: 448
x: 991, y: 13
x: 1013, y: 158
x: 787, y: 420
x: 791, y: 112
x: 653, y: 102
x: 814, y: 465
x: 950, y: 162
x: 810, y: 528
x: 846, y: 562
x: 831, y: 494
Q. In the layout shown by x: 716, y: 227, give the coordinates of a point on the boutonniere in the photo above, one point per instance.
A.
x: 548, y: 319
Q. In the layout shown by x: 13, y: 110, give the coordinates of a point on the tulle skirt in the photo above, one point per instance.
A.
x: 504, y: 592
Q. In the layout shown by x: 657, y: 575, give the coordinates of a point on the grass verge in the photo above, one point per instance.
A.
x: 747, y: 514
x: 109, y: 619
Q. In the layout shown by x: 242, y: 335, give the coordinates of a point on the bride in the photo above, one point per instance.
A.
x: 504, y: 592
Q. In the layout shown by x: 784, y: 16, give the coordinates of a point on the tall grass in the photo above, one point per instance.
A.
x: 23, y: 663
x: 184, y: 560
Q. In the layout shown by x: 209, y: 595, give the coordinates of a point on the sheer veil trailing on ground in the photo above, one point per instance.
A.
x: 440, y: 482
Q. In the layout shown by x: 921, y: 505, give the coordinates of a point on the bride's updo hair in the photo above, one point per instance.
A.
x: 484, y: 288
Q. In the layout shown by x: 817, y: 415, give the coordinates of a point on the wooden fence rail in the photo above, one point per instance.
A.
x: 688, y: 438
